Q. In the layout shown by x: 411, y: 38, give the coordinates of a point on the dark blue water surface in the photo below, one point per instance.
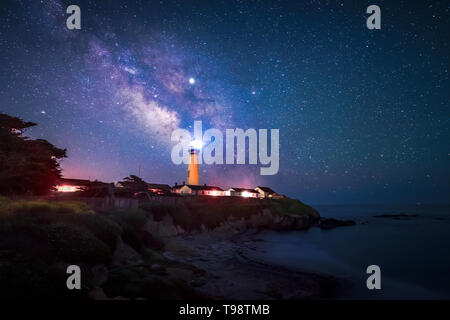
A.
x: 413, y: 252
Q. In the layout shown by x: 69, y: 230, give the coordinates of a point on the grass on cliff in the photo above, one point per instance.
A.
x: 67, y: 231
x: 191, y: 214
x: 292, y: 207
x: 39, y: 239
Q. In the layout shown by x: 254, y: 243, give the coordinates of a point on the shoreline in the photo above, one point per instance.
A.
x: 231, y: 274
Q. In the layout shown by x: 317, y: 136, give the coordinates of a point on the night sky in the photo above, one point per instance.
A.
x: 363, y: 114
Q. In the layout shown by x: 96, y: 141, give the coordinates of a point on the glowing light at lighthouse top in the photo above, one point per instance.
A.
x: 197, y: 144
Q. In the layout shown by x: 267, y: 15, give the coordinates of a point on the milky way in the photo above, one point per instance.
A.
x: 363, y: 114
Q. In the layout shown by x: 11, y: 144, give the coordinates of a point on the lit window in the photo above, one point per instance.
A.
x: 66, y: 188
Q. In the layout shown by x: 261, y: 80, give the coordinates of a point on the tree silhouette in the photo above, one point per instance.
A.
x: 134, y: 183
x: 26, y: 166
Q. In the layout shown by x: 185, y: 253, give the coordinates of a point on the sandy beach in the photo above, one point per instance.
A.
x: 230, y: 273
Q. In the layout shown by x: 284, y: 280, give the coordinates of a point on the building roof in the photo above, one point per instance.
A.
x: 82, y: 183
x: 73, y: 182
x: 204, y: 187
x: 158, y: 186
x: 266, y: 189
x: 244, y: 190
x: 97, y: 183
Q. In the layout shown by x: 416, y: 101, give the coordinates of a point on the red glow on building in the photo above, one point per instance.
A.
x: 65, y: 188
x: 246, y: 194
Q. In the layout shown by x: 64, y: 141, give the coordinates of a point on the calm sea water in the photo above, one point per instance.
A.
x: 413, y: 253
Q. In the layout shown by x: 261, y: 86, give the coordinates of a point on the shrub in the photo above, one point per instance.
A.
x: 193, y: 212
x: 27, y: 277
x: 74, y: 244
x: 208, y: 211
x: 105, y: 229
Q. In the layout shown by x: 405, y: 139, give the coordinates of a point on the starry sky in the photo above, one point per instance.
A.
x: 363, y: 114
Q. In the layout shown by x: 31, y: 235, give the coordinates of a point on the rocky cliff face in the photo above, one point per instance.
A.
x: 267, y: 220
x: 263, y: 220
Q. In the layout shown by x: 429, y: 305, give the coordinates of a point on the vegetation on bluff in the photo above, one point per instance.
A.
x: 39, y: 239
x: 210, y: 212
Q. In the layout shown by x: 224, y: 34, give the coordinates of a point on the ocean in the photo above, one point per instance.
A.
x: 412, y: 252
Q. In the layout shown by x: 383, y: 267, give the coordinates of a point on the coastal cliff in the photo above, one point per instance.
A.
x: 158, y: 251
x: 233, y: 214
